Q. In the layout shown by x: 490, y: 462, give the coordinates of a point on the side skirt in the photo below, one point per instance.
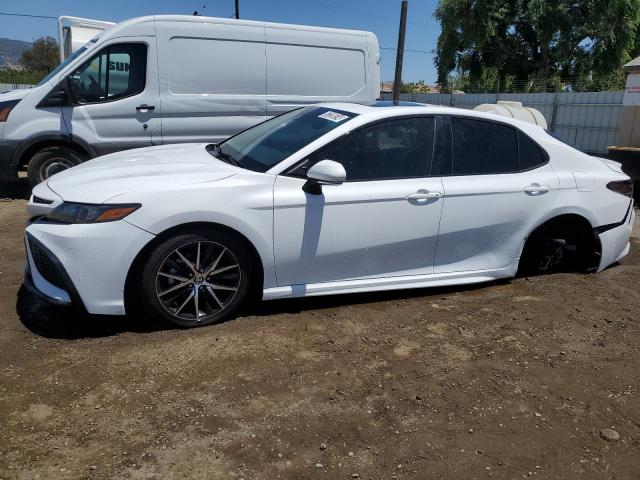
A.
x: 390, y: 283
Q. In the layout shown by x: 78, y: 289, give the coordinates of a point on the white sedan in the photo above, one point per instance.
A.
x: 326, y: 199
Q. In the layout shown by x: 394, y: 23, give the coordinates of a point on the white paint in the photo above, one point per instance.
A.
x: 631, y: 97
x: 206, y: 79
x: 514, y: 110
x: 357, y: 236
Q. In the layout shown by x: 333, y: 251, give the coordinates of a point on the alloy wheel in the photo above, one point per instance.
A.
x: 198, y: 280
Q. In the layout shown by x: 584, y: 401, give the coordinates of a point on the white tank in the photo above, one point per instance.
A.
x: 514, y: 110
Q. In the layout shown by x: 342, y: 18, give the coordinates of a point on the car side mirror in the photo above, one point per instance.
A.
x: 60, y: 96
x: 325, y: 172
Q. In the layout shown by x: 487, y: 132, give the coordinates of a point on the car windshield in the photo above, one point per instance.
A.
x: 267, y: 144
x: 70, y: 59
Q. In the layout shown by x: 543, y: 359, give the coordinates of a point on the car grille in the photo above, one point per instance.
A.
x: 45, y: 264
x: 36, y: 199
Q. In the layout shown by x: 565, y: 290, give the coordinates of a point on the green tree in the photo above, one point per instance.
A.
x: 534, y: 44
x: 43, y: 57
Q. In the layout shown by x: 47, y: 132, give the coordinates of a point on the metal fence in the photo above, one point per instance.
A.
x: 588, y: 121
x: 6, y: 87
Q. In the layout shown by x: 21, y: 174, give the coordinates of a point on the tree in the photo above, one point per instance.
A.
x: 536, y: 43
x: 43, y: 57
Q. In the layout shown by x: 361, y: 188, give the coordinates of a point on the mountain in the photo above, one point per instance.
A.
x: 11, y: 51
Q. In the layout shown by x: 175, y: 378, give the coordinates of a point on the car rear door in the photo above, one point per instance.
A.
x: 382, y: 222
x: 498, y: 186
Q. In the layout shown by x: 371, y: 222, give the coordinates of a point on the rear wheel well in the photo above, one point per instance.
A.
x: 255, y: 286
x: 36, y: 147
x: 567, y: 239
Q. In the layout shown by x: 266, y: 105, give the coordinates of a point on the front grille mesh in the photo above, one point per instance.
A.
x: 45, y: 265
x: 45, y: 201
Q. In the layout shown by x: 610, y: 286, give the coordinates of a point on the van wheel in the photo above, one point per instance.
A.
x: 195, y: 279
x: 49, y: 161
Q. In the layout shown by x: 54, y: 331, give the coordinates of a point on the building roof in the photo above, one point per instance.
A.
x: 632, y: 65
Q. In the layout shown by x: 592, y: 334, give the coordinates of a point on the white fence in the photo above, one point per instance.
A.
x: 588, y: 121
x: 6, y: 87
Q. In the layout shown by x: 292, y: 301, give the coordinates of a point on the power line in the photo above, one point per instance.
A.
x: 406, y: 50
x: 26, y: 15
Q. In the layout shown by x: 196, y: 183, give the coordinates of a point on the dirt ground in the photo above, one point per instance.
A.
x: 508, y: 380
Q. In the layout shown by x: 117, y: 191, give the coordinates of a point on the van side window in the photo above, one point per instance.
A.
x: 117, y: 71
x: 392, y: 149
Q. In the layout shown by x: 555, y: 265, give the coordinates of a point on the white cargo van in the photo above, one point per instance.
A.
x: 170, y: 79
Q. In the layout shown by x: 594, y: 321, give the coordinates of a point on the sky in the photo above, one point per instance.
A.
x: 379, y: 16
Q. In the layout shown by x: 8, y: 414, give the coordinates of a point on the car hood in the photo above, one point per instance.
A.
x: 17, y: 94
x: 152, y: 168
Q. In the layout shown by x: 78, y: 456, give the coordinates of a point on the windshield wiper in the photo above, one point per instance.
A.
x: 218, y: 153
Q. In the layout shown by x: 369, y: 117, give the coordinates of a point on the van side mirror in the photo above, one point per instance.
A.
x: 325, y: 172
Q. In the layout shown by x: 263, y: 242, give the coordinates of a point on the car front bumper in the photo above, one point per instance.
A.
x: 8, y: 170
x: 83, y: 265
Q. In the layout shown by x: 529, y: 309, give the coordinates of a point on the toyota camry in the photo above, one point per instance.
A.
x: 325, y: 199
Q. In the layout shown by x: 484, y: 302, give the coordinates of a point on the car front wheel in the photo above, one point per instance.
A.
x: 196, y: 279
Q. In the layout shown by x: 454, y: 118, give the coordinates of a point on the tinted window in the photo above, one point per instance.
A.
x: 263, y: 146
x: 115, y: 72
x: 480, y: 148
x: 530, y: 154
x: 391, y: 149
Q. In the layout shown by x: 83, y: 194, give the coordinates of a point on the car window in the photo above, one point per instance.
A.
x: 115, y: 72
x: 481, y: 148
x: 530, y: 155
x: 393, y: 149
x: 261, y: 147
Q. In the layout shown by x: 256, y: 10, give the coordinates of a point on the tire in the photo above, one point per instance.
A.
x: 49, y: 161
x: 550, y: 253
x: 172, y: 284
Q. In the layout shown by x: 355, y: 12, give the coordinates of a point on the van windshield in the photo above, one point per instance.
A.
x: 267, y: 144
x: 70, y: 59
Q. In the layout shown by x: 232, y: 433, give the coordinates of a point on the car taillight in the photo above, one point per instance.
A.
x: 623, y: 187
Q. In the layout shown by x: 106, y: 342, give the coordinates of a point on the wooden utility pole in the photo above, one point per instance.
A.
x: 397, y: 82
x: 237, y: 9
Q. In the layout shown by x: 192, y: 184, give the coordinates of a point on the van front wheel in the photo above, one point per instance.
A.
x: 49, y: 161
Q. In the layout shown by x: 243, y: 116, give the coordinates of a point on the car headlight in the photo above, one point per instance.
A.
x: 5, y: 109
x: 69, y: 212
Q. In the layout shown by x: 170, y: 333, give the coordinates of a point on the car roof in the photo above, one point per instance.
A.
x: 383, y: 109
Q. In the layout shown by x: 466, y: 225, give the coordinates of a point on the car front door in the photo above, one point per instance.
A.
x: 115, y: 98
x: 499, y: 185
x: 382, y: 222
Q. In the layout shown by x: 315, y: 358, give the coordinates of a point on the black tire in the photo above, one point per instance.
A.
x: 164, y: 298
x: 552, y: 252
x: 49, y: 161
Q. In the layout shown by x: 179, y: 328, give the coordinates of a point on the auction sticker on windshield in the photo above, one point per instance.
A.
x: 333, y: 116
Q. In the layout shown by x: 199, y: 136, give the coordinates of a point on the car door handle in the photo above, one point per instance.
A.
x: 424, y: 195
x: 536, y: 189
x: 145, y: 107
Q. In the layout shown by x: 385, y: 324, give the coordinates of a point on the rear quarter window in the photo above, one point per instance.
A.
x: 530, y: 154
